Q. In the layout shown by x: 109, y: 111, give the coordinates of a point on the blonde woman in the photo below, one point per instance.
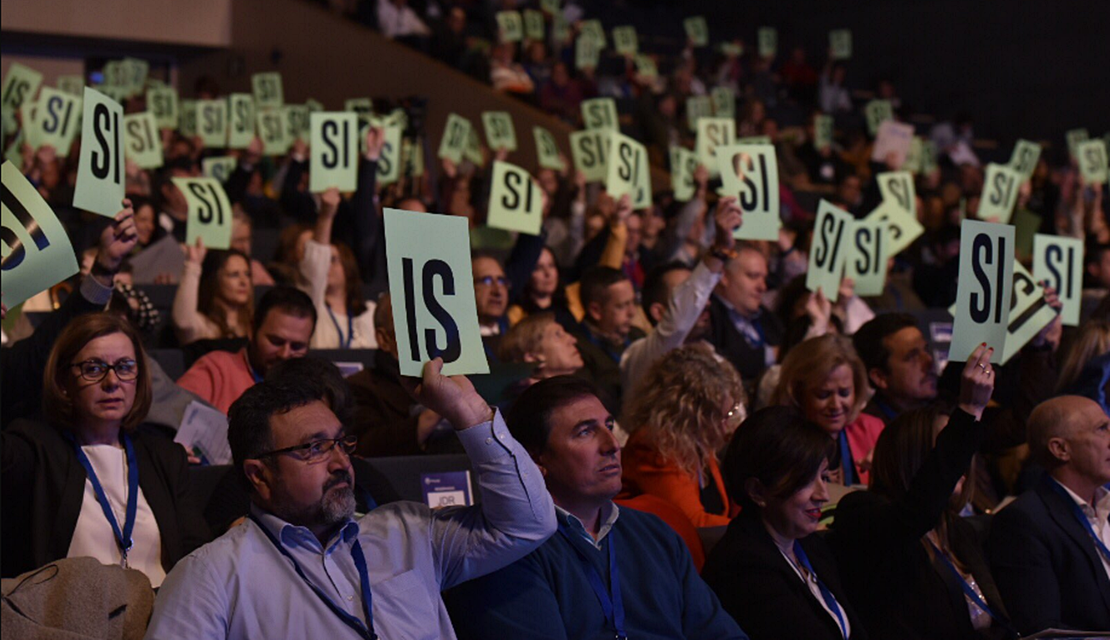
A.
x: 1084, y: 366
x: 681, y: 413
x: 824, y: 379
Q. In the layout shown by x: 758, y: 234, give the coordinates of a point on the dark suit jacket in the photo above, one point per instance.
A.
x: 603, y: 364
x: 761, y: 591
x: 750, y: 361
x: 44, y: 485
x: 1046, y: 564
x: 899, y: 592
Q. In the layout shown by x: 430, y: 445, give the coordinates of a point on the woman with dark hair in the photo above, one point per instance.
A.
x: 774, y: 576
x: 911, y: 564
x: 543, y: 292
x: 85, y: 483
x: 215, y: 299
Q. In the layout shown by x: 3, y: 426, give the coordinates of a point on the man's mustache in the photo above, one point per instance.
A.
x: 339, y: 477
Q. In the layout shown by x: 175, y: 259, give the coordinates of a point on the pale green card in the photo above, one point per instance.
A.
x: 750, y: 173
x: 389, y: 163
x: 984, y: 288
x: 56, y: 122
x: 100, y: 172
x: 713, y: 133
x: 212, y: 123
x: 914, y: 155
x: 724, y: 102
x: 500, y: 133
x: 1029, y: 313
x: 1074, y: 137
x: 473, y: 150
x: 560, y: 28
x: 510, y: 26
x: 768, y: 42
x: 269, y: 93
x: 455, y: 134
x: 187, y: 124
x: 73, y: 85
x: 590, y: 150
x: 1024, y: 158
x: 587, y: 52
x: 698, y: 107
x: 754, y: 140
x: 593, y: 29
x: 731, y: 49
x: 135, y: 74
x: 697, y: 30
x: 296, y: 120
x: 1060, y: 261
x: 21, y: 84
x: 431, y: 286
x: 219, y: 168
x: 1000, y: 192
x: 629, y: 170
x: 600, y: 113
x: 364, y: 107
x: 314, y: 106
x: 903, y: 228
x: 241, y: 118
x: 822, y: 131
x: 832, y: 240
x: 412, y: 158
x: 37, y: 253
x: 550, y: 6
x: 645, y: 66
x: 547, y: 150
x: 877, y: 112
x: 533, y: 24
x: 273, y: 131
x: 142, y: 140
x: 162, y: 102
x: 867, y: 260
x: 840, y: 44
x: 1092, y: 160
x: 683, y: 164
x: 897, y: 187
x: 114, y: 73
x: 333, y: 151
x: 515, y: 200
x: 928, y: 157
x: 209, y: 212
x: 625, y: 40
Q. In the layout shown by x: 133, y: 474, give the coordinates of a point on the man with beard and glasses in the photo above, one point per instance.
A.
x: 301, y: 567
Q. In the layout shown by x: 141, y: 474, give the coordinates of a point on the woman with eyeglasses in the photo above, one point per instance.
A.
x: 680, y: 415
x: 84, y: 482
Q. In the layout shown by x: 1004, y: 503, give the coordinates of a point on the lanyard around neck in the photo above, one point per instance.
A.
x: 123, y: 537
x: 849, y: 466
x: 364, y: 630
x: 965, y: 587
x: 826, y: 595
x: 1082, y: 518
x: 344, y: 343
x: 612, y: 605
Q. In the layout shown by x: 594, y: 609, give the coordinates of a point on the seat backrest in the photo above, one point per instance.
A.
x: 171, y: 360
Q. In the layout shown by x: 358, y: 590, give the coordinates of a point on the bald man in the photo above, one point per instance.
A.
x: 1050, y: 549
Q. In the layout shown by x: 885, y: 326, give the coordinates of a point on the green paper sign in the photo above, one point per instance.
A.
x: 100, y: 172
x: 550, y: 6
x: 56, y: 122
x: 587, y: 52
x: 645, y: 66
x: 897, y: 188
x: 73, y: 85
x: 212, y: 123
x: 1091, y: 155
x: 431, y: 285
x: 1074, y: 137
x: 296, y: 119
x: 268, y: 90
x: 877, y: 112
x: 697, y: 31
x: 698, y: 107
x: 1024, y: 158
x: 533, y: 24
x: 840, y: 43
x: 364, y: 107
x: 389, y: 163
x: 913, y: 155
x: 473, y: 151
x: 593, y: 29
x: 984, y: 288
x: 1029, y: 313
x: 768, y: 39
x: 515, y: 200
x: 560, y: 28
x: 219, y: 168
x: 454, y: 140
x: 333, y: 151
x: 683, y: 164
x: 902, y: 226
x: 500, y: 133
x: 187, y: 123
x: 712, y: 134
x: 1060, y: 261
x: 590, y: 151
x: 1000, y: 192
x: 162, y: 102
x: 314, y: 106
x: 20, y: 85
x: 135, y: 73
x: 724, y: 102
x: 600, y: 113
x: 142, y: 140
x: 750, y: 173
x: 928, y: 157
x: 547, y: 150
x: 209, y: 212
x: 273, y: 131
x: 241, y: 117
x: 629, y: 170
x: 510, y: 26
x: 867, y: 261
x: 831, y: 245
x: 114, y: 74
x: 625, y: 40
x: 37, y: 253
x: 731, y: 49
x: 822, y: 132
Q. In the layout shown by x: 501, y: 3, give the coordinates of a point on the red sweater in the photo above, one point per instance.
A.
x: 219, y: 378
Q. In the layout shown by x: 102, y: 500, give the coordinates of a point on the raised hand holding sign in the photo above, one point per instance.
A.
x: 334, y: 151
x: 749, y: 173
x: 697, y: 31
x: 983, y: 296
x: 1092, y: 161
x: 1059, y: 261
x: 209, y: 212
x: 37, y: 253
x: 100, y: 172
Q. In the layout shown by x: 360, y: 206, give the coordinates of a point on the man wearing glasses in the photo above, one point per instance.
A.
x: 301, y: 567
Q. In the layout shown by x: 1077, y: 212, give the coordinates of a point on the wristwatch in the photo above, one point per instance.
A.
x: 724, y: 255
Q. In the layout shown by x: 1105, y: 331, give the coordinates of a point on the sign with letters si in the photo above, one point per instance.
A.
x: 162, y: 102
x: 212, y: 123
x: 57, y: 119
x: 269, y: 92
x: 389, y: 163
x: 713, y: 133
x: 1060, y: 261
x: 273, y: 130
x: 143, y: 140
x: 333, y: 151
x: 547, y: 150
x: 750, y: 173
x: 867, y: 256
x: 515, y: 201
x: 629, y: 170
x: 240, y: 120
x: 1029, y: 313
x: 455, y: 135
x: 1000, y: 192
x: 100, y: 172
x: 683, y: 165
x: 500, y: 133
x: 209, y: 212
x: 37, y: 253
x: 600, y: 113
x: 219, y: 168
x: 431, y: 286
x: 984, y: 289
x: 1024, y: 158
x: 590, y: 150
x: 1091, y: 155
x: 20, y: 85
x: 831, y: 239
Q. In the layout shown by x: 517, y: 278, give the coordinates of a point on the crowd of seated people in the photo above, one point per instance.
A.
x: 683, y: 441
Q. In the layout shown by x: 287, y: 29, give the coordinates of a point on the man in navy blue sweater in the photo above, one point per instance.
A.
x: 608, y: 572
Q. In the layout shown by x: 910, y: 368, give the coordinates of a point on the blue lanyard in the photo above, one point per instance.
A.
x: 850, y: 475
x: 254, y: 374
x: 604, y: 346
x: 364, y: 630
x: 1099, y: 544
x: 344, y: 343
x: 887, y: 410
x: 612, y: 606
x: 968, y: 591
x: 123, y: 538
x: 827, y: 595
